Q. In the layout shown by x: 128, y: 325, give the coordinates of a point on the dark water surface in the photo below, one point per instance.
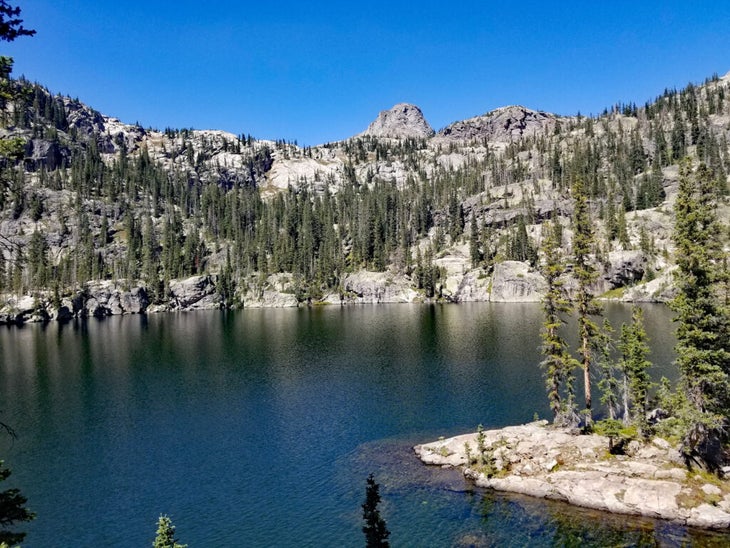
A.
x: 259, y: 427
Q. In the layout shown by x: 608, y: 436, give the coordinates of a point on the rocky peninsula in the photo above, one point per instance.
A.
x: 556, y: 463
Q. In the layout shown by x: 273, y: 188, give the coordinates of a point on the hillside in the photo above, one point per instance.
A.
x: 100, y: 217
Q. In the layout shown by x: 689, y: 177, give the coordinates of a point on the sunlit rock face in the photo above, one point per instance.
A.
x: 401, y: 121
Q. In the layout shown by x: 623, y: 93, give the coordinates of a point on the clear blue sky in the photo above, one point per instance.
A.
x: 321, y: 71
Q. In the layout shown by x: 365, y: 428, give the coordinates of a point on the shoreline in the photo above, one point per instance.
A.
x: 107, y: 298
x: 543, y: 461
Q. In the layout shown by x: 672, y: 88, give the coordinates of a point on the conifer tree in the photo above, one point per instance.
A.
x: 584, y: 301
x: 634, y: 364
x: 475, y: 253
x: 165, y: 537
x: 12, y: 510
x: 557, y: 363
x: 375, y: 528
x: 608, y: 384
x: 11, y: 26
x: 703, y: 321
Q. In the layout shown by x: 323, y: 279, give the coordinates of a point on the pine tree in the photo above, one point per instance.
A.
x: 557, y: 363
x: 165, y: 537
x: 586, y: 274
x: 703, y: 322
x: 11, y: 26
x: 634, y: 364
x: 475, y: 253
x: 608, y: 384
x: 375, y: 529
x: 12, y: 510
x: 38, y: 260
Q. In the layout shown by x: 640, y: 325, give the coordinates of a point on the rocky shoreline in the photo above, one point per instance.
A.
x: 508, y: 282
x: 555, y: 463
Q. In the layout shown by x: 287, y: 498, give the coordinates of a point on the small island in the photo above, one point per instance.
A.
x: 545, y: 461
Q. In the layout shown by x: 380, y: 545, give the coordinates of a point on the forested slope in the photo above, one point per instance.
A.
x: 89, y: 204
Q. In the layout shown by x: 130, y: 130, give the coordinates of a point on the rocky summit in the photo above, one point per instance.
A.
x: 402, y: 121
x: 502, y: 125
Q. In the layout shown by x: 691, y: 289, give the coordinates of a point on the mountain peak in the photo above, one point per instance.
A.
x: 502, y: 124
x: 401, y: 121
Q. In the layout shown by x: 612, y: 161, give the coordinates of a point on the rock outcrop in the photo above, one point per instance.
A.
x: 97, y: 299
x: 501, y: 125
x: 377, y: 287
x: 45, y: 153
x: 625, y: 268
x: 556, y: 463
x: 193, y: 293
x: 659, y: 290
x: 107, y: 299
x: 277, y: 292
x: 516, y: 282
x: 472, y: 287
x: 401, y: 121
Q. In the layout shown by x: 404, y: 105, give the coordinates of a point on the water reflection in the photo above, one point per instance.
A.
x: 261, y: 425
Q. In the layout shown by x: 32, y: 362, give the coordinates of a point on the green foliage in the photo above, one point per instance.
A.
x: 12, y: 511
x: 469, y: 456
x: 585, y: 274
x: 484, y: 459
x: 608, y: 383
x: 12, y: 148
x: 475, y: 252
x: 137, y: 219
x: 520, y: 248
x: 617, y: 432
x: 11, y: 26
x: 703, y: 321
x: 481, y: 440
x: 38, y: 263
x: 375, y: 528
x: 165, y: 536
x: 634, y: 348
x: 557, y: 363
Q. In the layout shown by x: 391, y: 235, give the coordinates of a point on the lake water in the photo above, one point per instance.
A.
x: 259, y: 427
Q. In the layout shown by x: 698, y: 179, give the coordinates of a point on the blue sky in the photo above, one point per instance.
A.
x: 321, y: 71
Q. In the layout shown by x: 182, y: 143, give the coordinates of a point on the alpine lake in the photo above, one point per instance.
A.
x: 259, y: 427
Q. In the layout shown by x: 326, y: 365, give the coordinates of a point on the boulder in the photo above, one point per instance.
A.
x: 18, y: 310
x: 625, y: 268
x: 378, y: 287
x: 473, y: 286
x: 194, y: 293
x: 106, y: 298
x: 270, y: 299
